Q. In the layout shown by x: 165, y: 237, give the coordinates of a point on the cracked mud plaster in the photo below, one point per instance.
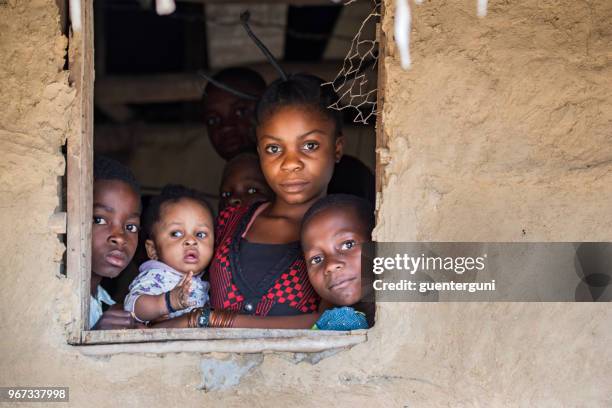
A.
x: 505, y: 121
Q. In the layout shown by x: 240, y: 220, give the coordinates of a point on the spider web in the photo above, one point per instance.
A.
x: 351, y: 83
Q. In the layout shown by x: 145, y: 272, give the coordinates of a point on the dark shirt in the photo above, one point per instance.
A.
x: 280, y: 286
x: 260, y: 265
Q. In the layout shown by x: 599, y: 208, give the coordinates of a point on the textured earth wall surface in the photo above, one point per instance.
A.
x: 501, y: 131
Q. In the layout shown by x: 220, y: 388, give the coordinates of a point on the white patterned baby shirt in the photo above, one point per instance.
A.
x: 156, y: 278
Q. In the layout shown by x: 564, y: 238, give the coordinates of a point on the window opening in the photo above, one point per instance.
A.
x: 147, y: 110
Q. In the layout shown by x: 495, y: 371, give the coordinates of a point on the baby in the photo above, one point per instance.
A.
x: 179, y: 228
x: 243, y: 182
x: 333, y: 230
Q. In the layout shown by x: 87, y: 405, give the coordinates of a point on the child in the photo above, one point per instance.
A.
x: 243, y: 182
x: 116, y: 222
x: 333, y: 230
x: 258, y: 275
x: 229, y: 118
x: 179, y: 228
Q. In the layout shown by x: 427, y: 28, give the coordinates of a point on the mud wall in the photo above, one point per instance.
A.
x: 501, y: 131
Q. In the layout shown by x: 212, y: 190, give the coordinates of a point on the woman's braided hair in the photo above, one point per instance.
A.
x: 301, y: 90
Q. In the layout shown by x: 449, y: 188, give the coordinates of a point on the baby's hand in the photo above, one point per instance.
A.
x: 179, y: 296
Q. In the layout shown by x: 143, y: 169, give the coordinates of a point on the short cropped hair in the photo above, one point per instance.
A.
x: 106, y: 168
x: 300, y: 90
x: 362, y: 206
x: 171, y: 193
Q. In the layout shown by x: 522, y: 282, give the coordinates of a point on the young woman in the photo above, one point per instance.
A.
x: 258, y: 275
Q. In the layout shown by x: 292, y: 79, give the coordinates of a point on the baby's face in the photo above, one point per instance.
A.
x: 183, y: 237
x: 244, y: 184
x: 116, y: 221
x: 332, y: 242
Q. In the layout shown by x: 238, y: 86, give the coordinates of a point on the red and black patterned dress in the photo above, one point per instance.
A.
x: 282, y: 290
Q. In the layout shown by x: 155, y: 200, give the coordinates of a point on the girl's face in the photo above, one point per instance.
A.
x: 183, y: 236
x: 297, y: 149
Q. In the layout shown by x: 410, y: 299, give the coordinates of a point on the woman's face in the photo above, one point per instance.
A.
x: 297, y: 149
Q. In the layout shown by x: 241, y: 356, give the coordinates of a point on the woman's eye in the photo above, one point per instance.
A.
x: 348, y: 244
x: 132, y: 228
x: 311, y: 146
x: 176, y: 234
x: 99, y: 221
x: 213, y: 120
x: 272, y: 149
x: 315, y: 260
x: 252, y: 190
x: 225, y: 194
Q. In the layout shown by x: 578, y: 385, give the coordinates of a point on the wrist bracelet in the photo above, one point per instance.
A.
x: 168, y: 304
x: 222, y: 318
x: 194, y: 315
x: 204, y: 318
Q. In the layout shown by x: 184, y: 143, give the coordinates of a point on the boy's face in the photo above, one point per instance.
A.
x: 116, y: 222
x: 183, y: 237
x: 332, y: 242
x: 229, y: 121
x: 244, y: 184
x: 298, y: 149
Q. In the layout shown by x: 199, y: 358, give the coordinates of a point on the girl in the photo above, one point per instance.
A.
x: 258, y: 275
x: 179, y: 228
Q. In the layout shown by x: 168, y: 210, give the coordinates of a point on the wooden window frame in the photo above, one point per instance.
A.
x: 79, y: 162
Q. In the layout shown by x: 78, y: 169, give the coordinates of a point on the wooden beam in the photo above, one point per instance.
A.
x: 178, y: 87
x: 80, y: 172
x: 290, y: 2
x: 149, y: 88
x: 120, y: 138
x: 381, y: 140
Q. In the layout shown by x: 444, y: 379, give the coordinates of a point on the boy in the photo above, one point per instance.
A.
x: 116, y: 222
x: 333, y: 230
